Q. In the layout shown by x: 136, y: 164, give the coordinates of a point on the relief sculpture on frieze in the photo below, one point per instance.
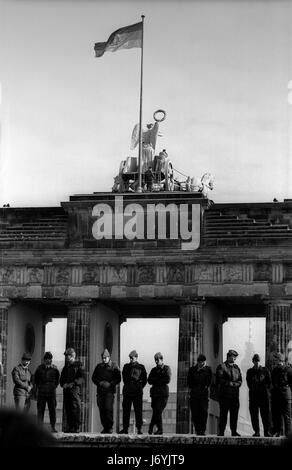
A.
x: 232, y: 273
x: 7, y: 275
x: 146, y: 274
x: 117, y: 274
x: 62, y: 275
x: 175, y: 273
x: 287, y: 272
x: 262, y: 272
x: 35, y: 276
x: 204, y: 272
x: 90, y: 275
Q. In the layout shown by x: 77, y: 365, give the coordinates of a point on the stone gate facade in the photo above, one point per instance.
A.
x: 52, y: 265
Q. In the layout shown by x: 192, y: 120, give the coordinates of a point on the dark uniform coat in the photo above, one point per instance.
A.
x: 281, y: 398
x: 109, y: 373
x: 46, y: 380
x: 135, y: 379
x: 106, y: 377
x: 159, y: 378
x: 199, y: 380
x: 259, y: 383
x: 228, y: 380
x: 72, y: 373
x: 22, y: 379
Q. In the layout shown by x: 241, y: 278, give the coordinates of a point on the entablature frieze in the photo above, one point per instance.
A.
x: 67, y: 280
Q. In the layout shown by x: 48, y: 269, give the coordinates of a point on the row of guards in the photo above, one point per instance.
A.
x: 269, y: 392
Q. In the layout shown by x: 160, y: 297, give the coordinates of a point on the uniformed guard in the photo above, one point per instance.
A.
x: 106, y: 377
x: 258, y: 380
x: 228, y: 380
x: 281, y: 395
x: 159, y: 378
x: 46, y: 380
x: 135, y: 378
x: 72, y: 378
x: 199, y: 380
x: 22, y: 379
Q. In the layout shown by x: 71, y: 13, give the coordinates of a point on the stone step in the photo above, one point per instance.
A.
x: 248, y: 237
x: 37, y: 224
x: 22, y: 238
x: 32, y: 235
x: 236, y: 222
x: 248, y: 230
x: 220, y: 217
x: 32, y: 232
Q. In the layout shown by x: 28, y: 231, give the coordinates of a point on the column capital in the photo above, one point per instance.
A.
x: 193, y: 301
x: 278, y: 302
x: 78, y: 303
x: 5, y: 302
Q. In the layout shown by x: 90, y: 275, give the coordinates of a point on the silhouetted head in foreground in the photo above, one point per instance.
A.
x: 18, y: 429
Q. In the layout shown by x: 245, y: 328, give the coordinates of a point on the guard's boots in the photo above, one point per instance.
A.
x: 123, y: 431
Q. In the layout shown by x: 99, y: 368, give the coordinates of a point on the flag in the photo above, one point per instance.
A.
x: 123, y: 38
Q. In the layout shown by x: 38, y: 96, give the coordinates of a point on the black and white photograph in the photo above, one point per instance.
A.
x: 146, y: 228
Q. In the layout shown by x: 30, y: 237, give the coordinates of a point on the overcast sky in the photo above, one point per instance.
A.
x: 219, y: 69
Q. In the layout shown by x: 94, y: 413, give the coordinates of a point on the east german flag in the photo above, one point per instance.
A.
x: 123, y: 38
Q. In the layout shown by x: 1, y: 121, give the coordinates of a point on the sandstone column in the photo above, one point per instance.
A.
x: 78, y: 338
x: 4, y: 306
x: 190, y: 345
x: 278, y: 329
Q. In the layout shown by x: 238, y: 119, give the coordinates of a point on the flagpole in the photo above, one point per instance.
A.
x: 139, y: 189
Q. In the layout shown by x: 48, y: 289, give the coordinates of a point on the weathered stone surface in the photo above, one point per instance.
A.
x: 157, y: 442
x: 146, y: 291
x: 83, y: 292
x: 35, y: 275
x: 288, y: 288
x: 146, y: 274
x: 4, y: 306
x: 175, y: 273
x: 117, y: 274
x: 190, y: 345
x: 262, y: 272
x: 34, y: 292
x: 287, y: 271
x: 78, y: 337
x: 174, y: 291
x: 278, y: 329
x: 232, y: 273
x: 119, y: 291
x: 237, y: 290
x: 90, y: 274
